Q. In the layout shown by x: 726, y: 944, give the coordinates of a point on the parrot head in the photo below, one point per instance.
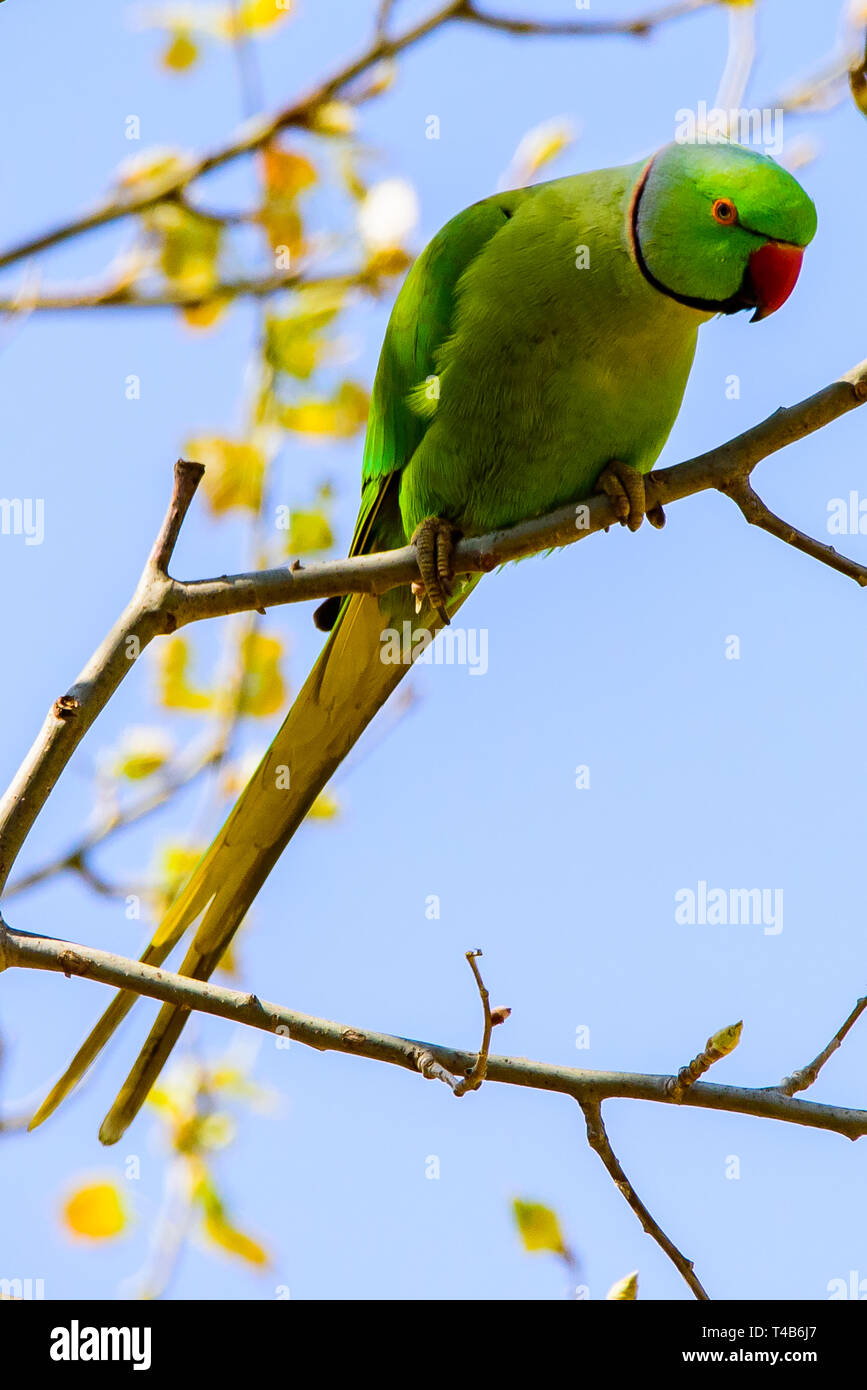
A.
x: 720, y: 228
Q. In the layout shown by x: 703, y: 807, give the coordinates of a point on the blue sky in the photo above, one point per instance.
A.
x: 739, y: 773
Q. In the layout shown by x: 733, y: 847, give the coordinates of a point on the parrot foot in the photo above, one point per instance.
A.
x: 627, y: 489
x: 434, y: 540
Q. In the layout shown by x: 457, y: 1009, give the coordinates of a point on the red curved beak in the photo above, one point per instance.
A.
x: 774, y: 271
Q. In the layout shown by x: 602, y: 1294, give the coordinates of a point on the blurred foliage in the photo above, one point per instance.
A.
x: 193, y: 1103
x: 538, y: 1227
x: 141, y: 752
x: 174, y: 691
x: 97, y: 1210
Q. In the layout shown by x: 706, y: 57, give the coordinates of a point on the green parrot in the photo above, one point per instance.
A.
x: 538, y: 352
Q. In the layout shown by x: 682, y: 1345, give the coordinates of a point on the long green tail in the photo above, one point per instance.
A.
x: 343, y: 692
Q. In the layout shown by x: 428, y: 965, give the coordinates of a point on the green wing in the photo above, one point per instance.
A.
x: 420, y: 323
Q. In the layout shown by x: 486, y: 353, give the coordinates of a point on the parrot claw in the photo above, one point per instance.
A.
x: 434, y: 541
x: 627, y: 489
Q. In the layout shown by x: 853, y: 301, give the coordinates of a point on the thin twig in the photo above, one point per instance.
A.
x: 187, y: 478
x: 473, y: 1080
x: 172, y: 297
x: 637, y: 27
x: 758, y: 514
x: 598, y: 1140
x: 28, y: 951
x: 805, y: 1076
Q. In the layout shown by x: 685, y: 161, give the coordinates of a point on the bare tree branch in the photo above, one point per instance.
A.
x: 72, y: 714
x: 24, y: 950
x: 161, y: 605
x: 170, y: 297
x: 638, y: 27
x: 805, y: 1076
x: 599, y: 1142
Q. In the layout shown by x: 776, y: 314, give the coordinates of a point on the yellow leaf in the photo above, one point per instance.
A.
x: 347, y: 163
x: 293, y: 343
x: 624, y: 1288
x: 325, y: 807
x: 188, y: 246
x: 379, y: 78
x: 539, y: 147
x: 858, y: 82
x: 264, y: 690
x: 181, y: 52
x: 140, y: 753
x: 286, y: 173
x: 390, y: 260
x: 228, y: 962
x: 340, y: 418
x: 333, y: 118
x: 286, y: 176
x: 175, y: 863
x: 538, y: 1227
x: 207, y: 313
x: 234, y: 472
x: 284, y: 228
x: 155, y: 166
x: 173, y: 689
x: 220, y: 1230
x: 216, y: 1130
x: 235, y: 1242
x: 97, y: 1211
x: 308, y: 533
x: 256, y: 15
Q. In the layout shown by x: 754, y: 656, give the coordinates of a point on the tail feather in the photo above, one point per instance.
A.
x: 345, y: 689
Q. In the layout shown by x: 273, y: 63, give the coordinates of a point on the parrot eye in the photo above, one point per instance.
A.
x: 725, y: 212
